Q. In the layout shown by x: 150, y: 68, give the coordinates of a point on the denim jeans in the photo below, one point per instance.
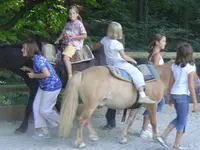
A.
x: 159, y: 107
x: 181, y: 105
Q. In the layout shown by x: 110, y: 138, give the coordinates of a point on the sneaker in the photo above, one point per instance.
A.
x: 146, y: 100
x: 145, y: 134
x: 38, y: 135
x: 180, y: 148
x: 149, y: 128
x: 162, y: 141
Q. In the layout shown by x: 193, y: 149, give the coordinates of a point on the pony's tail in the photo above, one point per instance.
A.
x: 69, y: 105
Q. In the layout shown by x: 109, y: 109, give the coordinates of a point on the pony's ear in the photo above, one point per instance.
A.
x: 171, y: 61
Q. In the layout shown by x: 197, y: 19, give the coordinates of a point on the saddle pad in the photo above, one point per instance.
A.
x: 148, y: 71
x: 82, y: 55
x: 119, y: 73
x: 48, y: 51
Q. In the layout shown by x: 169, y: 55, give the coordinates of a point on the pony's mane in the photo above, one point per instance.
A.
x: 10, y: 45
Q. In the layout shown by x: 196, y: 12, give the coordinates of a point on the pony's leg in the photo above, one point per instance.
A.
x: 58, y: 106
x: 24, y: 125
x: 152, y: 109
x: 130, y: 120
x: 82, y: 120
x: 93, y: 134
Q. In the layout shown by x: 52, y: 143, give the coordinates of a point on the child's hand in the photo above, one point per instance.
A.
x: 70, y: 37
x: 134, y: 62
x: 57, y: 41
x: 170, y: 103
x: 24, y: 68
x: 195, y: 108
x: 169, y: 100
x: 31, y: 75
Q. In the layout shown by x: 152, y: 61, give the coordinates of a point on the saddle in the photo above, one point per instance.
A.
x: 50, y: 51
x: 147, y: 70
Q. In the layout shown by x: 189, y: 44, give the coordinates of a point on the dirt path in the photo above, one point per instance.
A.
x: 109, y: 140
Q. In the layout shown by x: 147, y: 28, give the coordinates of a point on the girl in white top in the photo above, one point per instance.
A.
x: 157, y: 44
x: 182, y: 86
x: 115, y: 56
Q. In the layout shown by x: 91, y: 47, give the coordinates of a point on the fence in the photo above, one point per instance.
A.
x: 17, y: 112
x: 142, y: 55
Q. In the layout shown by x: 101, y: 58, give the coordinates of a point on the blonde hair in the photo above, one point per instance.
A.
x: 115, y: 30
x: 32, y: 48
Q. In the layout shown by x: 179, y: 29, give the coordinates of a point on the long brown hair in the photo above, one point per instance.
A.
x: 184, y: 55
x: 32, y: 48
x: 75, y: 7
x: 155, y: 38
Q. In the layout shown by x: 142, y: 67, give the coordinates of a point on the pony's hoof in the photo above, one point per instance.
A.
x: 123, y: 140
x: 80, y: 145
x: 20, y: 130
x: 99, y: 107
x: 94, y: 138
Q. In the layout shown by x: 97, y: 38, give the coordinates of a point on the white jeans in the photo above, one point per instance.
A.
x: 43, y: 108
x: 136, y: 75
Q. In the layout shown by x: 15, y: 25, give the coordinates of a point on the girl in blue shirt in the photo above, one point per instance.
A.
x: 48, y: 90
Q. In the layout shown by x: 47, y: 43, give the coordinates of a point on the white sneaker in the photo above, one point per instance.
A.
x: 41, y: 136
x: 146, y: 100
x: 179, y: 148
x: 149, y: 128
x: 146, y: 134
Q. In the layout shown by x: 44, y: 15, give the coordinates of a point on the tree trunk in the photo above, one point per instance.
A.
x: 139, y: 10
x: 185, y: 17
x: 67, y: 3
x: 145, y: 10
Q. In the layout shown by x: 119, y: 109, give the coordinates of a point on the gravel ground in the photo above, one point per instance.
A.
x: 109, y: 140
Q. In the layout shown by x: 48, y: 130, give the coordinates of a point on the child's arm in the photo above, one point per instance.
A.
x: 77, y: 37
x: 95, y: 46
x: 155, y: 59
x: 59, y: 38
x: 171, y: 82
x: 126, y: 57
x: 191, y: 78
x: 44, y: 74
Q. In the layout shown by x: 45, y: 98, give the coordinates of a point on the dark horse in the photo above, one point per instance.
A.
x: 11, y: 58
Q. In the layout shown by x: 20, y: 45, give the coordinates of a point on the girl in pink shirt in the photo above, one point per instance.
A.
x: 73, y: 36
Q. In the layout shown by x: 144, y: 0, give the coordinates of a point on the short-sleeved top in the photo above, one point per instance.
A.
x: 50, y: 83
x: 180, y: 85
x: 111, y: 50
x: 75, y: 27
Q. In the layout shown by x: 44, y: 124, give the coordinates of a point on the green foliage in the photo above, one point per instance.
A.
x: 43, y: 19
x: 179, y: 20
x: 11, y: 98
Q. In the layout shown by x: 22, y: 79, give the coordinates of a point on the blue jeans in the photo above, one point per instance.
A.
x: 159, y: 107
x: 181, y: 105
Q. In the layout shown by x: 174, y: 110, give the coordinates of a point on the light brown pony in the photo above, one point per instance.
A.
x: 96, y: 86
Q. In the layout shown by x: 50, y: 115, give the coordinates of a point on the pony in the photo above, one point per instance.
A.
x: 109, y: 91
x: 11, y: 58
